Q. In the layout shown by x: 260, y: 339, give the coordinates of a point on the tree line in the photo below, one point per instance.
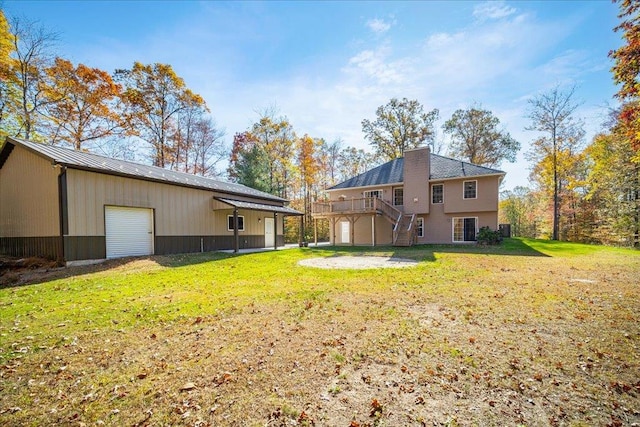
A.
x: 578, y: 191
x: 585, y: 192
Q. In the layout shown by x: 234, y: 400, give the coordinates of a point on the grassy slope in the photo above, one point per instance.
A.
x: 532, y: 332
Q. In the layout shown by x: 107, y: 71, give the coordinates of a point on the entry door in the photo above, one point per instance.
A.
x: 128, y: 231
x: 344, y: 232
x: 469, y: 229
x: 269, y: 235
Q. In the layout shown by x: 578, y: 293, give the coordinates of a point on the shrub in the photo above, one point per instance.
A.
x: 487, y: 236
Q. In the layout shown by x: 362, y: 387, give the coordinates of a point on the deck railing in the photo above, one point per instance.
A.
x: 359, y: 205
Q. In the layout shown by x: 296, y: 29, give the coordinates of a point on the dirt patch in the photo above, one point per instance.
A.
x: 358, y: 262
x: 14, y: 271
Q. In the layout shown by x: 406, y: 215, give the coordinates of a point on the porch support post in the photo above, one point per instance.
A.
x: 333, y: 226
x: 373, y: 229
x: 315, y: 231
x: 236, y: 237
x: 275, y: 230
x: 353, y: 223
x: 301, y: 231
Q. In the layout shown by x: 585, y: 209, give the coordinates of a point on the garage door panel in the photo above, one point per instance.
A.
x: 128, y: 231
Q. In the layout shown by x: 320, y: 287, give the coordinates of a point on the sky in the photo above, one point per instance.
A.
x: 327, y: 65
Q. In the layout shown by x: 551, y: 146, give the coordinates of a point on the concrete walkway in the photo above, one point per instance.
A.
x: 280, y: 248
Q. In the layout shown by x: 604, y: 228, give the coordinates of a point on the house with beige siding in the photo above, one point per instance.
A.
x: 419, y: 198
x: 72, y: 206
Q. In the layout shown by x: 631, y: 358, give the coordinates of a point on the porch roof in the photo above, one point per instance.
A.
x: 259, y: 206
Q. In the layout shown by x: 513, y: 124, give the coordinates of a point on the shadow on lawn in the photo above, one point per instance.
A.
x: 30, y: 276
x: 17, y: 277
x: 511, y: 247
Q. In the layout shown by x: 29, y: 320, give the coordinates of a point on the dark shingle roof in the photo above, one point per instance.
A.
x: 441, y: 168
x: 445, y: 167
x: 388, y: 173
x: 93, y: 162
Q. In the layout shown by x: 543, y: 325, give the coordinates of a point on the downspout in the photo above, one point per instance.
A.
x: 275, y: 230
x: 62, y: 211
x: 236, y: 238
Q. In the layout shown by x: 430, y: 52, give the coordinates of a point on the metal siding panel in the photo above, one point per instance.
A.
x: 84, y: 247
x: 29, y: 194
x: 129, y: 231
x: 46, y: 247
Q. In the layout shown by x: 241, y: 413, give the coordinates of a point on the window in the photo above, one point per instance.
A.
x: 464, y: 229
x: 420, y: 227
x: 368, y: 195
x: 230, y: 226
x: 470, y: 189
x: 437, y: 193
x: 398, y: 196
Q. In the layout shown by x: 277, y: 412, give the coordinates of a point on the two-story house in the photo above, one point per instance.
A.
x: 419, y: 198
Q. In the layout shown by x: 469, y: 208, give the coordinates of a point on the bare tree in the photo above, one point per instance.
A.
x: 32, y: 47
x: 551, y: 113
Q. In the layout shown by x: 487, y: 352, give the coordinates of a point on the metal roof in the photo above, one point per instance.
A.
x: 392, y: 172
x: 96, y: 163
x: 259, y: 206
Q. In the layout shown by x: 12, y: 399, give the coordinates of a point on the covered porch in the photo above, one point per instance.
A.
x: 270, y: 214
x: 350, y: 211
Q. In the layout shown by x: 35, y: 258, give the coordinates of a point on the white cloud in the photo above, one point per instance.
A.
x: 492, y: 10
x: 377, y: 66
x: 378, y: 26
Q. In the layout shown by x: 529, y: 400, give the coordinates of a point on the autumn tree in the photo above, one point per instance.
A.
x: 476, y: 136
x: 626, y: 70
x: 6, y: 47
x: 614, y: 188
x: 154, y: 95
x: 354, y: 161
x: 275, y: 137
x: 400, y: 125
x: 519, y: 208
x: 551, y: 115
x: 80, y: 104
x: 309, y: 165
x: 329, y: 159
x: 31, y: 52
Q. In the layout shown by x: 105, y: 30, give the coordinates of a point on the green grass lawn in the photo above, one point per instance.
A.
x: 529, y: 333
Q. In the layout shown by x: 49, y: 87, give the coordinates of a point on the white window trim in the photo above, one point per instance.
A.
x: 239, y: 216
x: 420, y: 229
x: 470, y: 198
x: 394, y: 196
x: 367, y: 194
x: 453, y: 228
x: 441, y: 185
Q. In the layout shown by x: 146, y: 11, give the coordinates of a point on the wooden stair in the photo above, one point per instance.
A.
x: 405, y: 231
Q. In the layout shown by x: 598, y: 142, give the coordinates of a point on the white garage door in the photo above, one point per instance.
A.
x: 129, y: 231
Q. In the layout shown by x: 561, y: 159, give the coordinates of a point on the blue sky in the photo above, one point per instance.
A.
x: 328, y: 65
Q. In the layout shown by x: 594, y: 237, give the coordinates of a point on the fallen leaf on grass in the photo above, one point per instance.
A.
x: 304, y: 418
x: 376, y: 408
x: 187, y: 387
x: 224, y: 378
